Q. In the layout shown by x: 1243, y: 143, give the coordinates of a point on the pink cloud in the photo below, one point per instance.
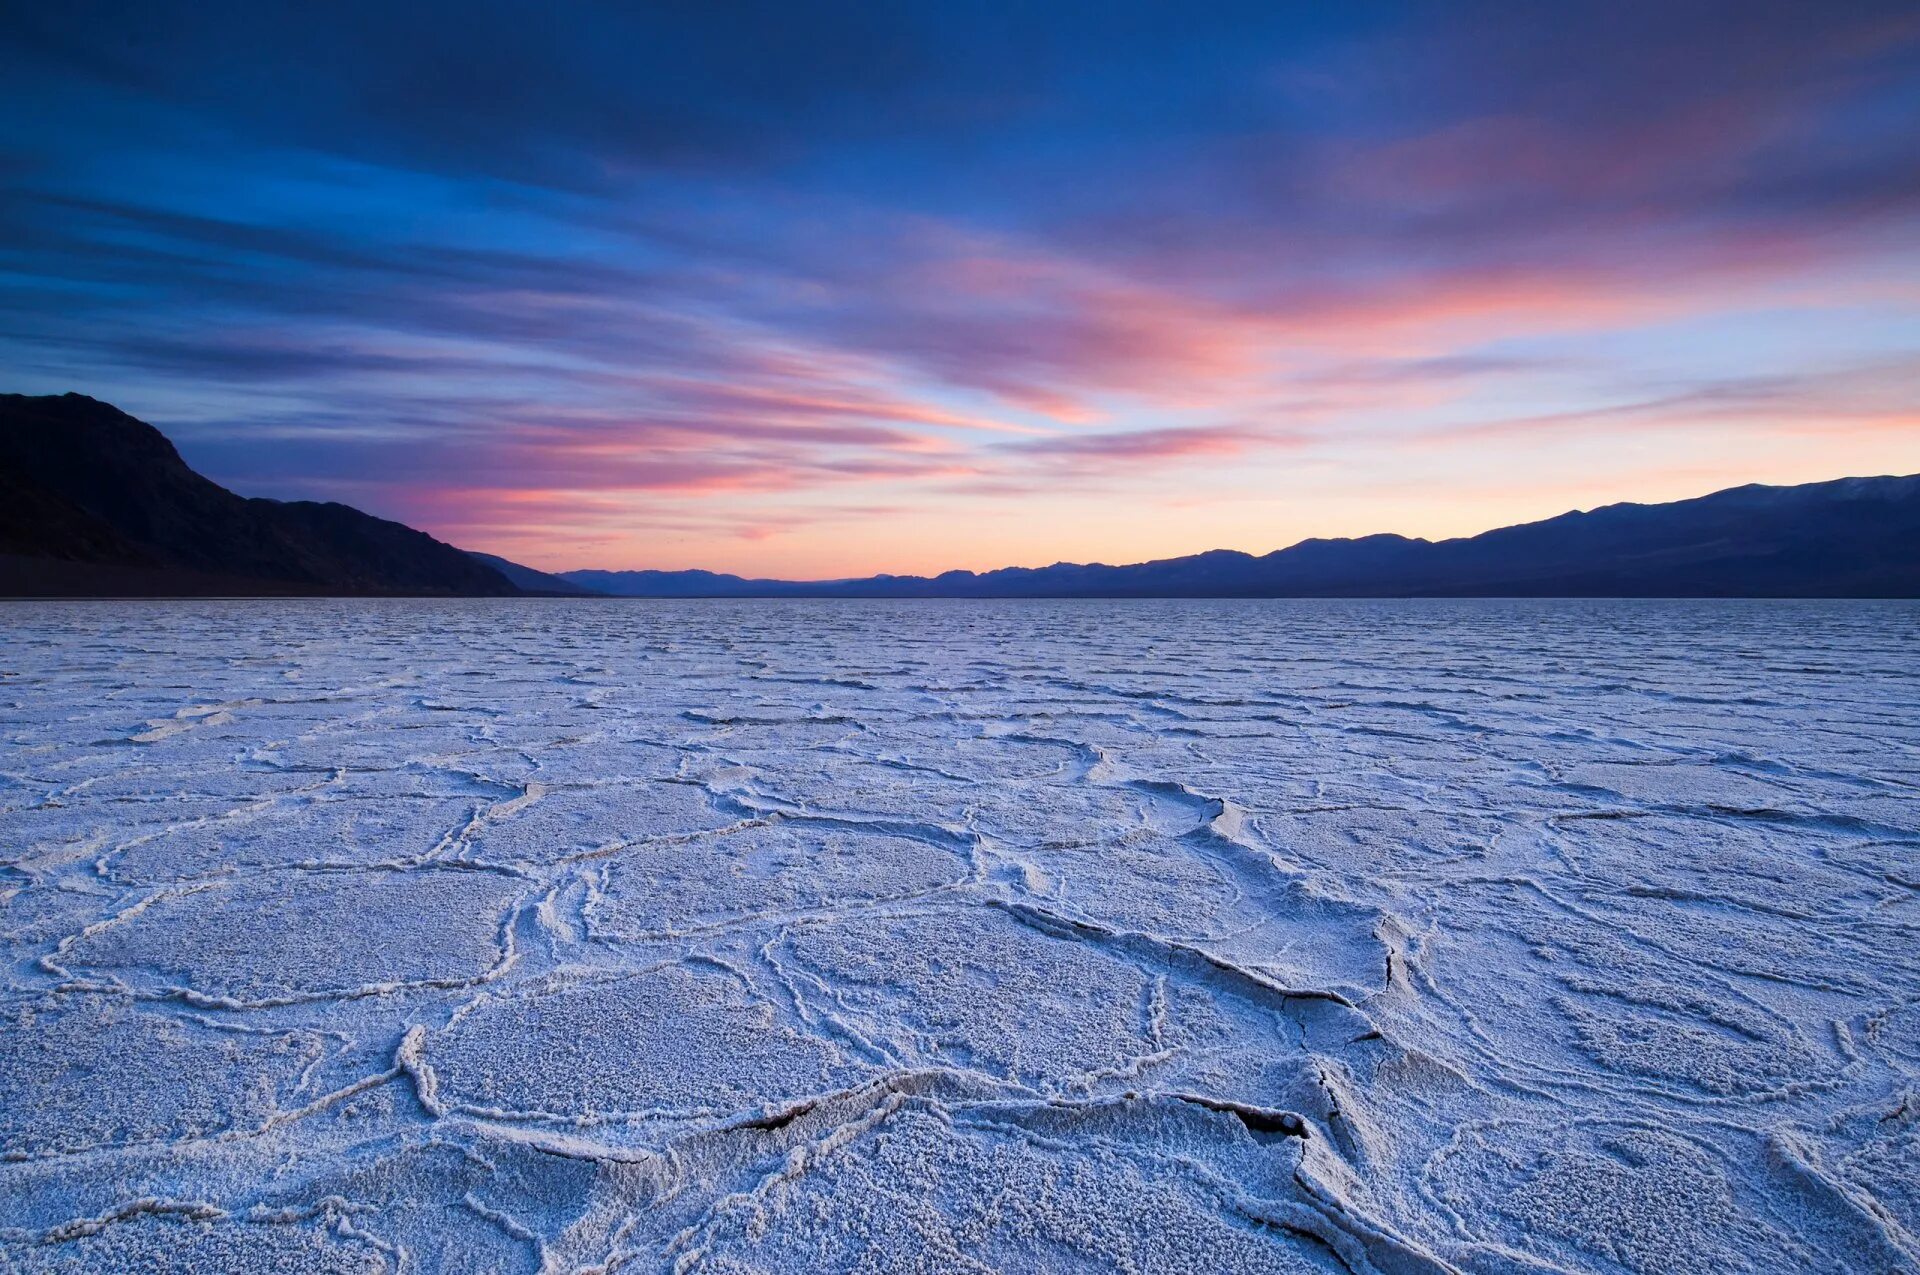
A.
x: 1876, y: 397
x: 1132, y: 447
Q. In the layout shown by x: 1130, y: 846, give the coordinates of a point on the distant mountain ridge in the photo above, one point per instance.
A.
x: 1853, y: 537
x: 96, y: 503
x: 528, y: 580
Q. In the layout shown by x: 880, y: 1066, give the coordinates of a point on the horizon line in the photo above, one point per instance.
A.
x: 1245, y: 553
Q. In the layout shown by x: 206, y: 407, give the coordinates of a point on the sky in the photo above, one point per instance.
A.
x: 807, y: 289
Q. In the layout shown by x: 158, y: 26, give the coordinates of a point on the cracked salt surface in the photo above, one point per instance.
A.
x: 793, y: 936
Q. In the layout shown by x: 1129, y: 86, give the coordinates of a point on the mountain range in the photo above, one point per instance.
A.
x: 1853, y: 537
x: 96, y: 503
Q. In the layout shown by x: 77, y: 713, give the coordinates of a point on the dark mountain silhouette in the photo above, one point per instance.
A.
x: 694, y: 584
x: 528, y: 580
x: 1855, y: 537
x: 96, y: 503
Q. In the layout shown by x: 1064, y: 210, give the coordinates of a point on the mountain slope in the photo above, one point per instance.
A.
x: 685, y: 584
x: 100, y: 503
x: 96, y: 503
x: 528, y: 580
x: 1854, y: 537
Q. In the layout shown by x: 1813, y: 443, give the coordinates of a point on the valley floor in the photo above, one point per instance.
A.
x: 1080, y: 936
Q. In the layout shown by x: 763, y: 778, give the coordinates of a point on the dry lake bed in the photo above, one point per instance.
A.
x: 960, y: 936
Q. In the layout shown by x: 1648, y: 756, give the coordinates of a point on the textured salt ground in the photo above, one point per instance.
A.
x: 523, y: 936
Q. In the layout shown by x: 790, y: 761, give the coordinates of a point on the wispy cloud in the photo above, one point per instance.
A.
x: 763, y: 277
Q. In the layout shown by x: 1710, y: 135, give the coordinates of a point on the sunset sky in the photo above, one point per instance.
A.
x: 807, y: 290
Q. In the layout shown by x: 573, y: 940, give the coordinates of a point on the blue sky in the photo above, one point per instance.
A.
x: 809, y: 290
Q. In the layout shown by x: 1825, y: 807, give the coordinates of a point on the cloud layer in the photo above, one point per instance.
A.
x: 822, y: 289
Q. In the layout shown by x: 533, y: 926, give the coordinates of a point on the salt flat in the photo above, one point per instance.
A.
x: 1081, y: 936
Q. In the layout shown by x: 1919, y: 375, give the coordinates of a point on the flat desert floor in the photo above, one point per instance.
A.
x: 1027, y: 937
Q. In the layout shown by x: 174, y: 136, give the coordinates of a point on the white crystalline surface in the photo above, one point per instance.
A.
x: 556, y: 936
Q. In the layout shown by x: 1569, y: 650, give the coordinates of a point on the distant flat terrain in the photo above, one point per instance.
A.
x: 516, y: 935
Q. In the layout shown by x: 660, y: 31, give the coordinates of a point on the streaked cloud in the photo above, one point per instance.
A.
x: 835, y: 288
